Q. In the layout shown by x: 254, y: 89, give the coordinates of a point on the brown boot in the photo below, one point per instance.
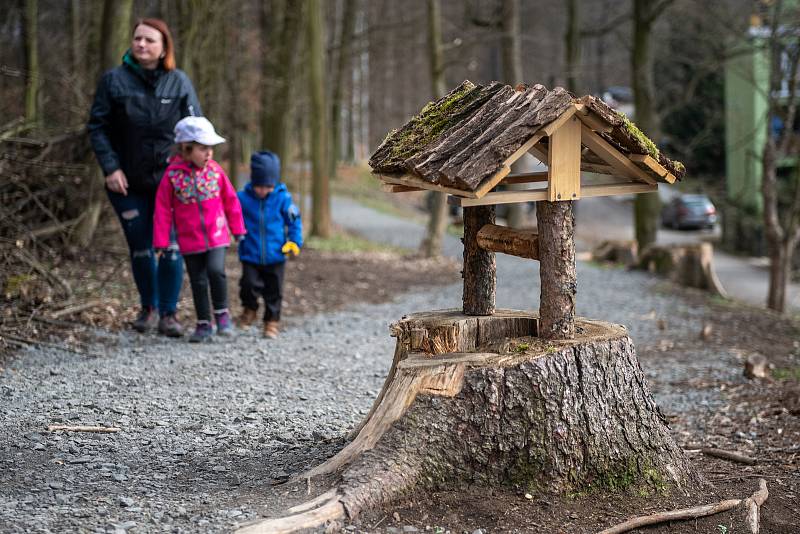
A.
x: 247, y: 317
x: 271, y: 329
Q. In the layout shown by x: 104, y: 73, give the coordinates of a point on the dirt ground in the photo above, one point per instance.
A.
x: 759, y: 418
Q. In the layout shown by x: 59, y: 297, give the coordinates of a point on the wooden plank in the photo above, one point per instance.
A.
x: 612, y: 156
x: 564, y: 161
x: 520, y: 243
x: 593, y: 120
x: 495, y: 179
x: 394, y: 188
x: 414, y: 181
x: 526, y: 178
x: 536, y: 195
x: 653, y: 165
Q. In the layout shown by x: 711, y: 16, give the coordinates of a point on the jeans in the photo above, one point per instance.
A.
x: 159, y: 285
x: 264, y: 280
x: 207, y: 270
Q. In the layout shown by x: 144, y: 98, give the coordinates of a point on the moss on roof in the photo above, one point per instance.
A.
x: 637, y: 134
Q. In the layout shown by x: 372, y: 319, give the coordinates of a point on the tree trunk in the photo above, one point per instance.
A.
x: 437, y: 216
x: 114, y: 38
x: 512, y: 74
x: 343, y: 62
x: 479, y: 269
x: 285, y: 22
x: 321, y: 207
x: 32, y: 84
x: 482, y: 400
x: 557, y: 270
x: 646, y: 205
x: 572, y: 48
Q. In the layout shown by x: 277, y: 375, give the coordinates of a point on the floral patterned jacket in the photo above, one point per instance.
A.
x: 201, y: 203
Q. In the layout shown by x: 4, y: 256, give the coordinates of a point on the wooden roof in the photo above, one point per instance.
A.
x: 465, y: 142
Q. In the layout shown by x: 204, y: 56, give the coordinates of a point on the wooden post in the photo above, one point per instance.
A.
x: 480, y: 270
x: 557, y: 271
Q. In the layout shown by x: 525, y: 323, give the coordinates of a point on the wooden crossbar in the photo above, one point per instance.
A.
x: 536, y: 195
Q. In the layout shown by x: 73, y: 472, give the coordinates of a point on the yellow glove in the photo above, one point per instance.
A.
x: 290, y: 248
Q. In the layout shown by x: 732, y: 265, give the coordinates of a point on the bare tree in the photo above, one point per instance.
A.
x: 437, y: 220
x: 645, y: 14
x: 282, y: 24
x: 32, y: 57
x: 781, y: 200
x: 511, y: 51
x: 114, y: 36
x: 321, y: 205
x: 345, y: 45
x: 572, y: 48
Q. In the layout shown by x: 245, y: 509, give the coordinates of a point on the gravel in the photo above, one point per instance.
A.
x: 206, y: 428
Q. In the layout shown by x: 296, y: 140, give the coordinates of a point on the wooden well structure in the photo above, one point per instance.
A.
x: 491, y: 396
x: 464, y: 145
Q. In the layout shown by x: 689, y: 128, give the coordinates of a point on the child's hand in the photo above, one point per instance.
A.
x: 160, y: 252
x: 238, y: 238
x: 290, y: 248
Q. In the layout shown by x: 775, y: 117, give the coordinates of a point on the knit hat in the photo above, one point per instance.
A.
x: 265, y: 168
x: 198, y: 130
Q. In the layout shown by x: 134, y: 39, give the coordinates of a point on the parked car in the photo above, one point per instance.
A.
x: 689, y: 211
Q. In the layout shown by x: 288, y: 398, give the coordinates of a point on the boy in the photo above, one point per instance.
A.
x: 268, y: 211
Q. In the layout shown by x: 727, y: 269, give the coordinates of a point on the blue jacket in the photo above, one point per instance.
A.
x: 267, y: 221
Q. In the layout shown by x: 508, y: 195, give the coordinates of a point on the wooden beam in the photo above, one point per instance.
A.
x: 564, y: 161
x: 520, y: 243
x: 653, y: 165
x: 394, y: 188
x: 612, y: 156
x: 526, y: 178
x: 536, y: 195
x: 479, y: 267
x: 490, y: 183
x: 593, y: 120
x: 415, y: 181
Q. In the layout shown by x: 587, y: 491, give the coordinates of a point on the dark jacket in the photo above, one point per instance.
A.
x: 266, y: 221
x: 132, y: 119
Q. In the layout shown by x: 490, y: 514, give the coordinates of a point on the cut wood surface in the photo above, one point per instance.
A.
x: 521, y: 243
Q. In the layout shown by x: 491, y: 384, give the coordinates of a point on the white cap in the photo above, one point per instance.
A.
x: 197, y: 129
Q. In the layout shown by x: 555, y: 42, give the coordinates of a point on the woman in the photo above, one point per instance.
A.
x: 135, y: 109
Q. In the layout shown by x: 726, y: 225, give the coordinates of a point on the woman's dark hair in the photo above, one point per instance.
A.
x: 168, y: 62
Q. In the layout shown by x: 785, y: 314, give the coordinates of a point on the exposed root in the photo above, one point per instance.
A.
x: 310, y: 516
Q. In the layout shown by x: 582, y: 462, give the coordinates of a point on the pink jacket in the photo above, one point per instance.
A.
x: 201, y: 202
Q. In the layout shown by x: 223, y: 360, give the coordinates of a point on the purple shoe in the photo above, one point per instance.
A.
x: 202, y: 332
x: 224, y: 323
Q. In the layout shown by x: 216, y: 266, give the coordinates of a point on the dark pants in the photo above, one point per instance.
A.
x: 207, y: 270
x: 159, y: 286
x: 264, y: 280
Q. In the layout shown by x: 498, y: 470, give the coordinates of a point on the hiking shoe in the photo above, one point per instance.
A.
x: 202, y: 332
x: 146, y: 320
x: 247, y: 317
x: 224, y: 323
x: 169, y: 326
x: 271, y: 329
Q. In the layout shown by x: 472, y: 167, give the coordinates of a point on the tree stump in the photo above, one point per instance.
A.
x: 691, y: 265
x: 483, y: 400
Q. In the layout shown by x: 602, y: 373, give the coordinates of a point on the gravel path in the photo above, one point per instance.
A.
x: 204, y: 428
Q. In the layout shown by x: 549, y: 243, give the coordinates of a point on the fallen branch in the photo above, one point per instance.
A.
x: 69, y: 310
x: 725, y: 455
x: 98, y: 429
x: 751, y: 503
x: 684, y: 513
x: 34, y: 342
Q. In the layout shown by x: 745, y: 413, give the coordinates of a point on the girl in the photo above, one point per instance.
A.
x: 197, y: 195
